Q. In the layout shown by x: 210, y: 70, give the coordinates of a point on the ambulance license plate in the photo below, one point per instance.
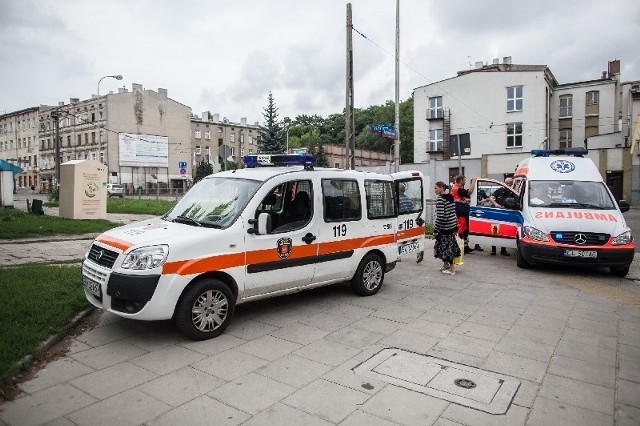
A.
x: 410, y: 247
x: 581, y: 253
x: 91, y: 286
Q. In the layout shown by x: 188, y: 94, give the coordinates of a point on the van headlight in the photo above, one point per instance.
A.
x: 535, y: 234
x: 624, y: 238
x: 146, y: 257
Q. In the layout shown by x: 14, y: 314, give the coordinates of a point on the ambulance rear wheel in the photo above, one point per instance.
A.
x: 369, y: 275
x: 204, y: 309
x: 619, y: 272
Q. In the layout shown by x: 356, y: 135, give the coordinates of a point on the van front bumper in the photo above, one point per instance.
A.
x: 607, y: 257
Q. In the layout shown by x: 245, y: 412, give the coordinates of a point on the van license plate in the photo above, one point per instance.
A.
x: 581, y: 253
x: 408, y: 248
x: 91, y: 286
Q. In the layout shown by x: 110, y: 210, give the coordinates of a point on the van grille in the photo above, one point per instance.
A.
x: 590, y: 238
x: 102, y: 256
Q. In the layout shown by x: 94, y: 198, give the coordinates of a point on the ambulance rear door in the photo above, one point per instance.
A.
x: 410, y: 227
x: 491, y: 224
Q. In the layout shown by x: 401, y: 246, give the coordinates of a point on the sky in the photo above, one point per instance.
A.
x: 226, y: 56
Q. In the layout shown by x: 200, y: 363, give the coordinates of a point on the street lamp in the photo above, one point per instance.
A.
x: 117, y: 77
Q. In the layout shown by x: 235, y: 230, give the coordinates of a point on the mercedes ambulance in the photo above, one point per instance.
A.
x: 253, y: 233
x: 559, y: 211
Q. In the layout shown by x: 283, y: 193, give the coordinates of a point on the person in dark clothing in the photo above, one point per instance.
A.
x: 445, y: 229
x: 461, y: 198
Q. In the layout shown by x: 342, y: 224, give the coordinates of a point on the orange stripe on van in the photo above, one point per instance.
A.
x: 356, y: 243
x: 410, y: 233
x: 204, y: 264
x: 114, y: 242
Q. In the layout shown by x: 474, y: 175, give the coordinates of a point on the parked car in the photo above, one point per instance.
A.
x: 115, y: 190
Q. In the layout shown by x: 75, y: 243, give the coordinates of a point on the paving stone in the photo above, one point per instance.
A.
x: 345, y: 376
x: 606, y: 328
x: 540, y: 311
x: 180, y: 386
x: 205, y: 411
x: 525, y: 348
x: 498, y: 318
x: 593, y: 314
x: 354, y: 337
x: 248, y: 329
x: 300, y: 333
x: 546, y: 412
x: 590, y: 338
x: 350, y: 311
x: 252, y: 393
x: 627, y: 415
x: 468, y: 416
x: 54, y: 373
x: 537, y: 321
x: 112, y: 380
x: 516, y: 366
x: 480, y: 331
x: 268, y: 347
x: 360, y: 418
x: 108, y: 355
x: 467, y: 345
x: 578, y: 394
x: 293, y: 370
x: 230, y: 364
x: 327, y: 352
x: 280, y: 414
x: 457, y: 357
x: 536, y: 335
x: 404, y: 406
x: 377, y: 325
x: 588, y: 372
x: 213, y: 346
x: 44, y: 406
x: 444, y: 317
x: 166, y: 360
x: 325, y: 321
x: 526, y: 394
x: 106, y: 334
x: 628, y: 393
x: 584, y: 352
x: 429, y: 328
x: 157, y: 338
x: 327, y: 401
x: 398, y: 313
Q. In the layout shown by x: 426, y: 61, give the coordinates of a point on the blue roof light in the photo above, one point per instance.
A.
x: 576, y: 152
x: 265, y: 160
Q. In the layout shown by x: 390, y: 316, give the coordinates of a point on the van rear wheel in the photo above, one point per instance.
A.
x: 369, y: 275
x: 205, y: 309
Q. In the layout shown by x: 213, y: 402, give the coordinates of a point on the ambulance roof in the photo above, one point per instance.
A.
x: 557, y: 165
x: 265, y: 173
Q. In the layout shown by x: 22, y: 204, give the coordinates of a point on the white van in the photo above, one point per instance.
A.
x: 558, y: 211
x: 253, y: 233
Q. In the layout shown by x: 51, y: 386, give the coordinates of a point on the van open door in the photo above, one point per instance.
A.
x: 410, y: 226
x: 492, y: 220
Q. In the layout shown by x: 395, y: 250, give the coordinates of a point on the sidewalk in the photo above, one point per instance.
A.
x: 543, y: 346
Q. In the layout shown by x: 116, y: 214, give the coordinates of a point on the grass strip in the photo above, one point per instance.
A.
x: 37, y: 301
x: 16, y: 223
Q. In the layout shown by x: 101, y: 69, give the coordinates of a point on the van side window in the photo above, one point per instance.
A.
x: 341, y: 200
x: 380, y: 202
x: 289, y: 205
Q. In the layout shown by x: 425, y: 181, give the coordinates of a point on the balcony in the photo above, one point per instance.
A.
x: 435, y: 146
x: 435, y: 114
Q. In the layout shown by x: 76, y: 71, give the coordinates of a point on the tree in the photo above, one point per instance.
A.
x: 272, y: 132
x: 204, y: 169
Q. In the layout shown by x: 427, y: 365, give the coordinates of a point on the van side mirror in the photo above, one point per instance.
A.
x: 624, y: 205
x: 261, y: 225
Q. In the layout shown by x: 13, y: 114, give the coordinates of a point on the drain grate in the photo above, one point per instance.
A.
x: 482, y: 390
x: 464, y: 383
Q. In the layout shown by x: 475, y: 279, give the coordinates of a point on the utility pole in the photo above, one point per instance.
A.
x: 350, y: 141
x: 396, y: 145
x: 56, y: 126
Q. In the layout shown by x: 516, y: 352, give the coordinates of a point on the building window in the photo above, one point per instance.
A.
x: 566, y: 106
x: 514, y: 135
x: 93, y: 137
x: 435, y: 107
x: 198, y: 150
x: 241, y: 137
x: 68, y: 140
x: 219, y: 129
x: 514, y: 98
x: 565, y: 138
x: 250, y: 139
x: 435, y: 140
x: 79, y: 141
x: 232, y: 137
x: 102, y: 157
x: 207, y: 134
x: 593, y: 97
x: 196, y: 134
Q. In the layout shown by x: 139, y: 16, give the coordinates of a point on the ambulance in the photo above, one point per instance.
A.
x: 278, y: 226
x: 559, y: 211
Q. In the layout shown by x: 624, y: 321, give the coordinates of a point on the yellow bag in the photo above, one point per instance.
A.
x: 459, y: 260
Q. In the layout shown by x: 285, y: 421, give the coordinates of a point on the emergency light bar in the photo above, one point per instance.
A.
x: 265, y: 160
x: 576, y: 152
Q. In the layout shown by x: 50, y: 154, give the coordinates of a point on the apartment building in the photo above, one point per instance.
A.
x: 501, y: 111
x: 19, y: 144
x: 214, y: 140
x: 142, y: 135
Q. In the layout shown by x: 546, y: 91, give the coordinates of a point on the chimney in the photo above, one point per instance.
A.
x: 74, y: 100
x: 122, y: 90
x: 61, y: 103
x: 496, y: 61
x: 478, y: 64
x: 162, y: 92
x: 243, y: 121
x: 506, y: 60
x: 216, y: 118
x: 136, y: 86
x: 614, y: 67
x: 205, y: 116
x: 604, y: 75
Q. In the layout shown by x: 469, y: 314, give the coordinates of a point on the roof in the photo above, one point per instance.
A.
x: 266, y: 173
x: 5, y: 166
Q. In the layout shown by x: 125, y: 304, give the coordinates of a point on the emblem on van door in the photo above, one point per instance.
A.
x: 284, y: 247
x: 563, y: 166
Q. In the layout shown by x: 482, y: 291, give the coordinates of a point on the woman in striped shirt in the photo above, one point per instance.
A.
x: 445, y: 228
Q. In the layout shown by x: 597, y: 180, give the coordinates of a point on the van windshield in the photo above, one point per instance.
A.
x: 214, y: 202
x: 573, y: 194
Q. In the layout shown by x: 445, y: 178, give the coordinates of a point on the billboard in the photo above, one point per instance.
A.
x: 138, y: 150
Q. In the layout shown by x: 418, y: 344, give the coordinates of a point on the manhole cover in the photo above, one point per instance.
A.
x: 482, y: 390
x: 464, y: 383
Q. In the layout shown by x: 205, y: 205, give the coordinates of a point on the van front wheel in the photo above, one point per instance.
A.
x: 619, y: 272
x: 521, y: 262
x: 205, y: 309
x: 369, y: 275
